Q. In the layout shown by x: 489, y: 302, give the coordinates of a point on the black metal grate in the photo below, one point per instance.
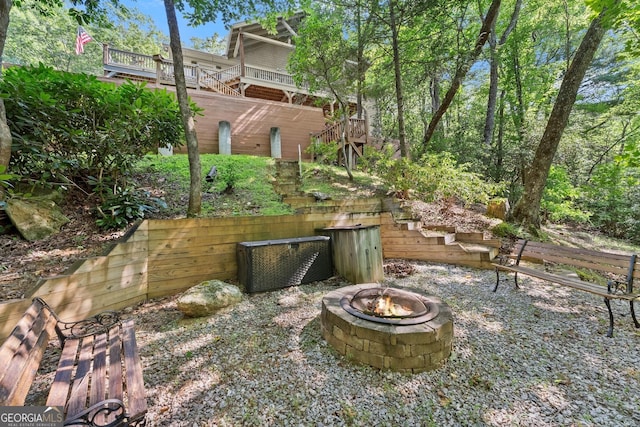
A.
x: 274, y: 264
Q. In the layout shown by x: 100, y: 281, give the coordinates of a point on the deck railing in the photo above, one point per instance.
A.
x: 196, y: 76
x: 268, y: 75
x: 134, y: 61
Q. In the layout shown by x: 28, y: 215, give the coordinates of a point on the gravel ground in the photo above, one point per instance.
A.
x: 537, y: 356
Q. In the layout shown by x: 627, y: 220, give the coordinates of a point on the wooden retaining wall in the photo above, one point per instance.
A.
x: 165, y: 257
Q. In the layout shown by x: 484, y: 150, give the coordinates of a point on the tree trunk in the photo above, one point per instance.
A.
x: 490, y: 120
x: 5, y: 132
x: 195, y: 188
x: 527, y: 210
x: 402, y: 135
x: 494, y: 44
x: 463, y: 69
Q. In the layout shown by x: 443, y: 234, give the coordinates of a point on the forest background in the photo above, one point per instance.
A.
x: 409, y: 57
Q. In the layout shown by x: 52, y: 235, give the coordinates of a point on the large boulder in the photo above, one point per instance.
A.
x: 208, y: 298
x: 35, y: 218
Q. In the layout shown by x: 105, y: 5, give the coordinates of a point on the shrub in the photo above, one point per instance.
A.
x: 125, y: 205
x: 433, y: 177
x: 324, y: 152
x: 559, y: 197
x: 613, y: 197
x: 506, y: 230
x: 67, y: 127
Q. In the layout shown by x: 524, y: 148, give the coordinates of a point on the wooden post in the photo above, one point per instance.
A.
x: 105, y: 54
x: 241, y: 43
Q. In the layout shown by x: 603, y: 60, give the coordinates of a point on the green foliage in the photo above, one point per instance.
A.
x: 613, y: 197
x: 6, y: 178
x: 506, y: 230
x: 559, y: 197
x: 323, y: 152
x: 125, y: 205
x: 68, y: 127
x: 435, y: 177
x: 46, y: 33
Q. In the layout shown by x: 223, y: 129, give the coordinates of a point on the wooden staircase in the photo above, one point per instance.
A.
x: 214, y: 82
x: 403, y: 236
x: 408, y: 239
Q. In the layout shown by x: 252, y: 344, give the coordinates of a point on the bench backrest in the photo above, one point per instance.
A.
x: 618, y: 264
x: 21, y: 353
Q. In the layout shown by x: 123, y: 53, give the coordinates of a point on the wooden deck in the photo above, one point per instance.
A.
x: 236, y: 80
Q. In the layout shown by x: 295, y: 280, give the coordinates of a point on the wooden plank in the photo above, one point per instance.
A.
x: 567, y: 281
x: 114, y: 279
x: 207, y: 262
x: 62, y: 380
x: 133, y: 369
x: 99, y: 372
x: 80, y: 384
x: 115, y: 388
x: 22, y: 352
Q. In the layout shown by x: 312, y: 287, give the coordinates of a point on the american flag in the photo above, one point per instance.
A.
x: 81, y: 39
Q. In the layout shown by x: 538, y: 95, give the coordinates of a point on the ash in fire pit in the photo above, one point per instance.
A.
x: 390, y: 305
x: 388, y: 328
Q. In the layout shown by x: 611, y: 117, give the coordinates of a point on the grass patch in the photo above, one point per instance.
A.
x: 242, y: 185
x: 334, y: 182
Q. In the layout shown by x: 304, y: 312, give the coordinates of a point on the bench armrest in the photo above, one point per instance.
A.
x: 100, y: 323
x: 96, y: 415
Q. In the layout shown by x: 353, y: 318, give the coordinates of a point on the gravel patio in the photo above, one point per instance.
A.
x: 531, y: 357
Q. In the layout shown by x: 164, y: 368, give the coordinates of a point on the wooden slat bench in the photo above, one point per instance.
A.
x: 99, y: 376
x: 614, y: 265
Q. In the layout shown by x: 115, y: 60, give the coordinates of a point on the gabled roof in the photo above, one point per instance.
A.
x: 255, y: 33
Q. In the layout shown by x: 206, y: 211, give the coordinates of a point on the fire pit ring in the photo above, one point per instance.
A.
x: 417, y: 308
x: 377, y: 342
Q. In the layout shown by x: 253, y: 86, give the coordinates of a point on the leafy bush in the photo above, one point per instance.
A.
x: 324, y: 152
x: 559, y: 197
x: 506, y: 230
x: 434, y: 177
x: 125, y: 205
x: 68, y: 127
x: 613, y: 197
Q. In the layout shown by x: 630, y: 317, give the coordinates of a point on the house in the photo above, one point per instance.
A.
x: 249, y: 88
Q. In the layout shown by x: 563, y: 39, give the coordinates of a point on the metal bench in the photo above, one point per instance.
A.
x: 617, y: 266
x: 98, y: 380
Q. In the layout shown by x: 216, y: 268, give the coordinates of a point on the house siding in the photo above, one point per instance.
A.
x: 268, y: 56
x: 251, y: 122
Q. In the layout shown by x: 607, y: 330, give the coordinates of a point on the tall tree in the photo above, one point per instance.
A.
x: 323, y: 60
x: 527, y: 209
x: 463, y: 68
x: 195, y: 172
x: 494, y: 44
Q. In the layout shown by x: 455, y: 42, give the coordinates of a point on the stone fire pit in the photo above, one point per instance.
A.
x: 387, y: 343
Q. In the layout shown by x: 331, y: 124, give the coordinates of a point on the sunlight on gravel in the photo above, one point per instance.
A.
x: 521, y: 358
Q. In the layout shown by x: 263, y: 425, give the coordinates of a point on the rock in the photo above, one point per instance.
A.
x: 207, y: 298
x: 320, y: 197
x: 35, y: 218
x: 498, y: 208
